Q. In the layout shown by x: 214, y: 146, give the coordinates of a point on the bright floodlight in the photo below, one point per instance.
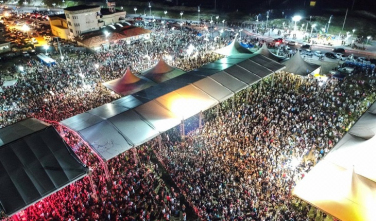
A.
x: 45, y: 47
x: 21, y: 68
x: 368, y: 37
x: 106, y: 33
x: 96, y: 65
x: 297, y: 18
x: 314, y: 25
x: 25, y: 28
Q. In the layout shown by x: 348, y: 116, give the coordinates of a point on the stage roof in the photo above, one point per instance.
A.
x: 34, y: 165
x: 343, y: 184
x: 130, y: 121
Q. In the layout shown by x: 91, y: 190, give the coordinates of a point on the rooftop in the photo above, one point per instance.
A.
x: 80, y: 7
x: 58, y: 16
x: 106, y: 11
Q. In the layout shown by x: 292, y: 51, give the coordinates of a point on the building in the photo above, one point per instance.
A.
x: 97, y: 40
x: 83, y: 19
x: 59, y: 26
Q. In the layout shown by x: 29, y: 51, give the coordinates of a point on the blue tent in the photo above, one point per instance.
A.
x: 199, y: 34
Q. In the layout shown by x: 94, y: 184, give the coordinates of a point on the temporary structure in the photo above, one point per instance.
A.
x: 128, y: 84
x: 233, y: 49
x: 265, y: 51
x: 343, y: 184
x: 297, y: 65
x: 162, y: 72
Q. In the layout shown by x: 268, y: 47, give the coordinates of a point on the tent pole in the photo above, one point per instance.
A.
x: 106, y: 172
x: 160, y: 141
x: 247, y: 94
x: 200, y: 119
x: 92, y: 183
x: 233, y: 101
x: 182, y: 126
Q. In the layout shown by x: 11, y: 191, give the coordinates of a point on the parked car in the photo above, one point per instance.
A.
x: 292, y: 43
x: 306, y: 47
x: 318, y: 54
x: 339, y: 50
x: 330, y: 55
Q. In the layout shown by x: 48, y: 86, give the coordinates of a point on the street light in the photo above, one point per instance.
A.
x: 217, y: 18
x: 353, y: 31
x: 330, y: 20
x: 135, y: 10
x: 296, y: 18
x: 198, y: 11
x: 165, y: 13
x: 181, y: 27
x: 368, y: 37
x: 53, y: 4
x: 46, y: 47
x: 150, y: 8
x: 21, y: 68
x: 223, y: 22
x: 312, y: 26
x: 181, y: 16
x: 267, y: 19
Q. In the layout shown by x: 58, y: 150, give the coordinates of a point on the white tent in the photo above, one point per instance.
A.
x: 233, y: 49
x: 343, y: 184
x: 162, y: 72
x: 265, y: 51
x: 297, y: 65
x: 128, y: 84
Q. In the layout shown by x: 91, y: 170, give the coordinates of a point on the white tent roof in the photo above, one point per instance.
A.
x: 297, y: 65
x: 114, y: 128
x: 128, y: 84
x: 233, y: 49
x: 343, y: 184
x: 215, y: 89
x: 265, y: 51
x: 162, y: 72
x: 158, y: 116
x: 229, y: 81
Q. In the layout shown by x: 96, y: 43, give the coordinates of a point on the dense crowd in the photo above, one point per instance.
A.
x: 132, y: 190
x: 74, y: 85
x: 243, y: 163
x: 240, y: 165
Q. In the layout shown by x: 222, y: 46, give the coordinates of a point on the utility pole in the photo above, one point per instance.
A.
x: 344, y: 21
x: 352, y: 7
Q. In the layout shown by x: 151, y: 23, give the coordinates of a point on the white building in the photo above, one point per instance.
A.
x: 87, y: 18
x: 82, y: 19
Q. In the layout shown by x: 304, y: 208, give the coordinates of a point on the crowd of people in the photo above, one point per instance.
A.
x: 243, y: 163
x: 131, y: 190
x: 74, y: 85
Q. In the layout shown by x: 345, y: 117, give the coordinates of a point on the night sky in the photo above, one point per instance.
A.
x: 257, y: 5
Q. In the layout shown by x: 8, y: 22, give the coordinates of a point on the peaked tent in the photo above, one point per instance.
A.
x: 128, y: 84
x: 162, y: 72
x: 265, y: 51
x: 343, y: 184
x: 233, y: 49
x: 34, y: 163
x: 297, y: 65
